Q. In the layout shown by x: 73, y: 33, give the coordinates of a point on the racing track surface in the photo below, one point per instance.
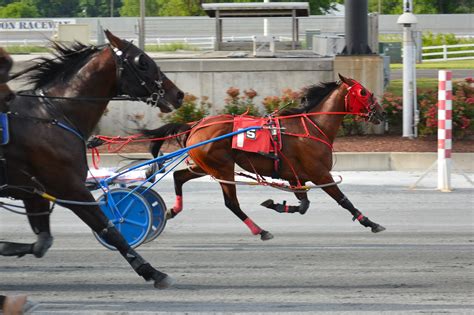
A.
x: 321, y: 262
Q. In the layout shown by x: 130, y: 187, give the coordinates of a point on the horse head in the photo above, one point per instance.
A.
x: 134, y: 65
x: 359, y: 100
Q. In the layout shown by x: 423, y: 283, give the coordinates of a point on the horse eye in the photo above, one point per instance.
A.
x: 141, y: 62
x: 363, y: 92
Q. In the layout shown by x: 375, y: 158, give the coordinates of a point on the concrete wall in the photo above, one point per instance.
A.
x: 212, y: 77
x: 359, y: 161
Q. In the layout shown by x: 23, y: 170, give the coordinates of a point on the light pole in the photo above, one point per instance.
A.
x: 265, y: 22
x: 141, y: 26
x: 408, y: 19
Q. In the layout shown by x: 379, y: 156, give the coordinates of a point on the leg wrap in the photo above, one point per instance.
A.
x: 42, y: 244
x: 284, y: 208
x: 178, y: 205
x: 357, y: 215
x: 346, y: 204
x: 140, y: 265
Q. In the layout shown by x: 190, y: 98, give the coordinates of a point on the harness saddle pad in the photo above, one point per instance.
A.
x: 4, y: 135
x: 257, y: 141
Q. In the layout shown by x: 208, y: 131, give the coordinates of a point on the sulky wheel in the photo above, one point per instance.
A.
x: 158, y: 210
x: 131, y: 214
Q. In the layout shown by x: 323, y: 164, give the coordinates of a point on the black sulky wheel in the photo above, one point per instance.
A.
x: 130, y: 212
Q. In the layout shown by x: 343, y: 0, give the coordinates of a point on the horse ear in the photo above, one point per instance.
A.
x: 345, y: 80
x: 113, y: 40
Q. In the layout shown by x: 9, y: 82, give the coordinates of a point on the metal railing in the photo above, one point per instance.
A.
x: 448, y: 52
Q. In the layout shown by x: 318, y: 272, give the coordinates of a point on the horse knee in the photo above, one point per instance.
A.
x: 43, y: 243
x: 114, y: 238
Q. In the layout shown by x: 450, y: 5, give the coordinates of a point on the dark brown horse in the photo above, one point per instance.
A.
x: 306, y: 153
x: 46, y: 156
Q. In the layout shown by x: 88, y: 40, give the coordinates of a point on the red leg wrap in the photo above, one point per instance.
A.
x: 252, y: 226
x: 178, y: 204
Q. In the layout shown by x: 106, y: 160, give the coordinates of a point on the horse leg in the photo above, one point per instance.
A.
x: 40, y: 226
x: 231, y: 202
x: 344, y: 202
x: 284, y: 208
x: 180, y: 177
x: 97, y: 221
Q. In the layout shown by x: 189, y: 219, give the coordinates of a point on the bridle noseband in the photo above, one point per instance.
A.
x: 156, y: 91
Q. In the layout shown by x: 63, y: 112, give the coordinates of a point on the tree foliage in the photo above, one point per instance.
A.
x: 96, y: 8
x: 132, y: 8
x: 21, y: 9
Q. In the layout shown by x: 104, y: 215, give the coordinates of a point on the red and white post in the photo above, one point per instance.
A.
x: 445, y: 125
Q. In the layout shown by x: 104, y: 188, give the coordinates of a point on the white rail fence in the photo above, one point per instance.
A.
x: 448, y: 52
x: 204, y: 43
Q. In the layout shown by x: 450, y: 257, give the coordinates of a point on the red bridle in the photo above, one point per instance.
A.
x: 356, y: 102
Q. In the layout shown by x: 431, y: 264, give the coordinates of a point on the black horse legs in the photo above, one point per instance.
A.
x: 140, y: 265
x: 96, y: 220
x: 344, y: 202
x: 39, y: 224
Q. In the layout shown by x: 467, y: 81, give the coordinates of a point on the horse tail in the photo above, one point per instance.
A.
x: 172, y: 131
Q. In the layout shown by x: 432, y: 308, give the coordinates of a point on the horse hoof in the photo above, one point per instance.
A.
x: 378, y: 228
x: 265, y: 236
x: 268, y: 203
x: 169, y: 214
x: 164, y: 283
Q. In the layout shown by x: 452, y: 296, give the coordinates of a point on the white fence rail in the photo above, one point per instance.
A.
x: 204, y: 43
x: 448, y: 52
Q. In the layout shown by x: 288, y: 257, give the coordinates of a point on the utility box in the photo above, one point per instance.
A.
x: 309, y: 38
x: 394, y: 50
x: 328, y: 45
x: 263, y: 46
x: 74, y: 32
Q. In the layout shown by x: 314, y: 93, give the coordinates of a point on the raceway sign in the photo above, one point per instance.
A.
x: 33, y: 24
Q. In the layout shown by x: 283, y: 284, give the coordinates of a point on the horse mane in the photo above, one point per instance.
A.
x: 66, y: 59
x: 313, y: 95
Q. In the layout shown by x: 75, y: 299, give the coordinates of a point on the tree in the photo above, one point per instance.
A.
x: 23, y: 9
x: 179, y: 8
x: 57, y: 8
x: 94, y: 8
x: 132, y: 8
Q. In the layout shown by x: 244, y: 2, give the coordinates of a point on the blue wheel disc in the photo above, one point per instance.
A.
x: 130, y: 213
x: 158, y: 209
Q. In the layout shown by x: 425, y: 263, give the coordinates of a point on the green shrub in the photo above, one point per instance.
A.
x: 191, y: 110
x: 430, y: 39
x: 170, y: 47
x: 462, y: 113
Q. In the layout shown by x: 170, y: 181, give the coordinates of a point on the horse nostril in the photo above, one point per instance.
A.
x: 180, y: 96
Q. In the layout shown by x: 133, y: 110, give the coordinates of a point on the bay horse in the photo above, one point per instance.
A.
x: 307, y: 135
x: 48, y: 125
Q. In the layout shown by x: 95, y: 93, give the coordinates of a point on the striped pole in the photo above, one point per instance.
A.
x: 444, y: 129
